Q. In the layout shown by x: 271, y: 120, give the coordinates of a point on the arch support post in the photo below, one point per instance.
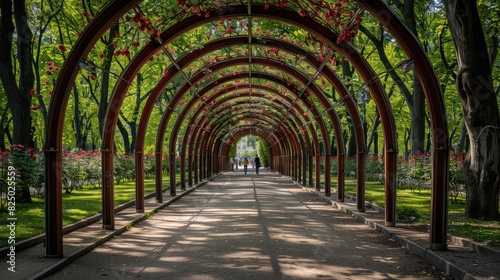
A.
x: 139, y: 182
x: 53, y: 204
x: 108, y: 200
x: 159, y: 177
x: 328, y: 185
x: 172, y: 172
x: 390, y: 187
x: 183, y: 172
x: 439, y: 200
x: 360, y: 174
x: 340, y: 177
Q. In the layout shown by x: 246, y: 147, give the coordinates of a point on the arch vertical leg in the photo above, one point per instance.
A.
x: 439, y: 201
x: 139, y: 182
x: 108, y: 200
x: 390, y: 187
x: 53, y: 204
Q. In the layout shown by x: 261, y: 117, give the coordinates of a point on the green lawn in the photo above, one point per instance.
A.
x: 77, y: 205
x: 419, y: 203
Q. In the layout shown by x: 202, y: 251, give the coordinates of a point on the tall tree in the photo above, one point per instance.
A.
x: 482, y: 120
x: 18, y: 88
x: 415, y: 101
x: 18, y: 91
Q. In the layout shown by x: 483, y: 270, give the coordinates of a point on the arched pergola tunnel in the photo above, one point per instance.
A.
x: 264, y: 85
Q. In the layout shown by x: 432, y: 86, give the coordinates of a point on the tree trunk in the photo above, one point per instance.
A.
x: 462, y: 139
x: 2, y: 129
x: 17, y: 91
x: 103, y: 102
x: 125, y: 136
x: 417, y: 132
x: 482, y: 120
x: 19, y: 98
x: 351, y: 146
x: 77, y: 124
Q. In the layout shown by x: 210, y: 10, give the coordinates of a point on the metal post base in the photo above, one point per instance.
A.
x: 109, y: 227
x: 439, y: 246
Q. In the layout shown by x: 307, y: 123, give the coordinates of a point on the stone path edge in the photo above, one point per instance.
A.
x: 461, y: 241
x: 68, y: 259
x: 436, y: 260
x: 433, y: 258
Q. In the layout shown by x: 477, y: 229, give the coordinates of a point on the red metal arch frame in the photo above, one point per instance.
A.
x: 340, y: 145
x: 161, y: 129
x: 380, y: 99
x: 294, y: 73
x: 290, y: 129
x: 282, y: 147
x: 202, y: 120
x: 185, y: 61
x: 307, y: 140
x: 116, y: 9
x: 164, y: 121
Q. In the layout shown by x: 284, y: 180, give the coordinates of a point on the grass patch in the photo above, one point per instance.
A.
x: 480, y: 231
x: 77, y: 206
x: 418, y: 204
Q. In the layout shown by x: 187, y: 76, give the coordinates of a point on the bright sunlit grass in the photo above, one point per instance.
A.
x: 420, y: 202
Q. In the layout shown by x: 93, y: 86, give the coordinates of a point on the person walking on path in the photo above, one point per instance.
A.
x: 245, y: 165
x: 257, y: 164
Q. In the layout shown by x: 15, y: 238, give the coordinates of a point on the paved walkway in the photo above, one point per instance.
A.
x: 250, y: 227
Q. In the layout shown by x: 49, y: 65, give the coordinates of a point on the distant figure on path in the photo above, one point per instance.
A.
x: 245, y: 165
x: 257, y: 164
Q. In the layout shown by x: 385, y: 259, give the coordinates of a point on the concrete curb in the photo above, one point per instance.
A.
x: 66, y: 260
x: 433, y: 258
x: 35, y: 240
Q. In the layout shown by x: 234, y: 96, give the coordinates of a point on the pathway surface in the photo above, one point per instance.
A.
x: 247, y: 227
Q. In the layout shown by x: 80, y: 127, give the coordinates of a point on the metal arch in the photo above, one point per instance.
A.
x: 307, y: 141
x: 53, y: 133
x: 249, y: 130
x: 53, y: 156
x: 232, y: 41
x: 163, y: 124
x: 178, y: 28
x: 437, y: 112
x: 288, y: 132
x: 291, y: 132
x: 174, y: 101
x: 321, y: 98
x: 322, y: 125
x: 279, y: 149
x: 107, y: 159
x: 197, y: 125
x: 351, y: 107
x: 183, y: 149
x: 298, y: 135
x: 224, y: 147
x: 269, y: 42
x: 214, y: 129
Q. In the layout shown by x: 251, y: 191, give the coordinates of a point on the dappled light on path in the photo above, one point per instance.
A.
x: 249, y: 227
